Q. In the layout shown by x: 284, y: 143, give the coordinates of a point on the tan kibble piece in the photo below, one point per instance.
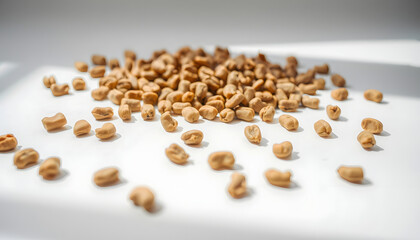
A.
x: 221, y: 160
x: 283, y: 150
x: 101, y: 113
x: 164, y: 106
x: 150, y: 98
x: 108, y: 130
x: 288, y: 122
x: 372, y: 125
x: 208, y: 112
x: 319, y: 83
x: 48, y: 81
x: 245, y: 113
x: 190, y: 114
x: 322, y: 128
x: 366, y: 139
x: 267, y: 113
x: 115, y: 96
x: 333, y: 112
x: 143, y: 197
x: 177, y: 107
x: 237, y: 187
x: 351, y: 174
x: 55, y: 122
x: 79, y: 84
x: 50, y: 168
x: 338, y: 80
x: 98, y: 59
x: 288, y: 105
x: 124, y: 111
x: 257, y: 104
x: 133, y: 94
x: 218, y: 104
x: 81, y: 127
x: 277, y: 178
x: 176, y: 154
x: 253, y: 134
x: 227, y: 115
x: 130, y: 54
x: 322, y: 69
x: 235, y: 100
x: 134, y: 104
x: 7, y: 142
x: 25, y: 158
x: 175, y: 96
x: 59, y: 90
x: 97, y: 72
x: 148, y: 112
x: 310, y: 102
x: 114, y: 63
x: 308, y: 88
x: 340, y: 94
x: 168, y: 122
x: 106, y: 177
x: 192, y: 137
x: 373, y: 95
x: 100, y: 93
x: 296, y: 96
x: 188, y: 97
x: 81, y: 66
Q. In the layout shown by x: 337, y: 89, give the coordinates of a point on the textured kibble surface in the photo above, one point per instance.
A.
x: 106, y: 177
x: 50, y: 168
x: 25, y: 158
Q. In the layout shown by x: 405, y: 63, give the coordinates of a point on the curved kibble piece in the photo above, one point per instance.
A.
x: 283, y: 150
x: 267, y: 113
x: 372, y: 125
x: 26, y: 157
x: 50, y: 168
x: 59, y: 90
x: 55, y: 122
x: 333, y: 112
x: 227, y: 115
x: 79, y: 84
x: 7, y: 142
x: 102, y: 113
x: 208, y: 112
x: 192, y: 137
x: 143, y: 197
x: 351, y: 174
x: 366, y: 139
x: 237, y: 187
x: 106, y: 177
x: 176, y: 154
x: 322, y: 128
x: 97, y: 72
x: 81, y: 127
x: 115, y: 96
x: 288, y: 122
x: 168, y: 122
x: 253, y: 134
x: 48, y: 81
x: 234, y: 100
x: 221, y: 160
x: 373, y: 95
x: 108, y: 130
x: 278, y: 178
x: 164, y: 106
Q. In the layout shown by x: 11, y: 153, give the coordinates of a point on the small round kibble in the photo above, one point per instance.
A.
x: 289, y: 122
x: 81, y: 66
x: 340, y: 94
x: 190, y: 114
x: 338, y: 80
x: 372, y: 125
x: 81, y: 127
x: 79, y: 84
x: 168, y: 122
x: 245, y: 113
x: 50, y: 168
x: 253, y: 134
x: 366, y: 139
x: 55, y: 122
x: 107, y: 131
x: 7, y: 142
x: 25, y: 158
x: 322, y: 128
x: 277, y: 178
x: 106, y: 177
x: 208, y: 112
x: 221, y: 160
x: 227, y: 115
x: 59, y: 90
x: 143, y: 197
x: 176, y: 154
x: 192, y: 137
x: 102, y: 113
x: 351, y: 174
x: 148, y: 112
x: 267, y: 113
x: 333, y: 112
x: 373, y: 95
x: 237, y: 187
x: 283, y: 150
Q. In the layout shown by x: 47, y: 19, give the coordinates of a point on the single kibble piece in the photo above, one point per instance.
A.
x: 308, y: 88
x: 338, y: 80
x: 366, y: 139
x: 26, y: 157
x: 322, y: 128
x: 59, y: 90
x: 288, y: 122
x: 115, y: 96
x: 98, y: 59
x: 101, y: 113
x: 267, y: 113
x: 150, y: 98
x: 50, y: 168
x: 7, y: 142
x: 97, y: 72
x: 177, y: 107
x: 108, y: 130
x: 164, y: 106
x: 133, y: 94
x: 288, y: 105
x: 310, y: 102
x: 221, y: 160
x: 114, y: 63
x: 218, y: 104
x: 79, y: 84
x: 106, y: 177
x: 253, y: 134
x: 322, y: 69
x: 245, y: 113
x: 277, y: 178
x: 55, y: 122
x: 143, y: 197
x: 373, y: 95
x: 208, y: 112
x: 372, y: 125
x: 168, y: 122
x: 351, y: 174
x: 81, y: 127
x: 81, y: 66
x: 100, y: 93
x: 234, y: 100
x: 124, y: 111
x: 192, y: 137
x: 130, y: 54
x: 48, y: 81
x: 148, y: 112
x: 333, y: 112
x: 190, y: 114
x: 237, y: 187
x: 283, y: 150
x: 176, y: 154
x: 340, y: 94
x: 319, y: 83
x: 227, y: 115
x: 257, y: 104
x: 134, y: 104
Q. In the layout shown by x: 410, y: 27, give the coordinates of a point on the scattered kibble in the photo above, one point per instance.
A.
x: 339, y: 94
x: 148, y: 112
x: 289, y: 122
x: 124, y: 111
x: 338, y: 80
x: 283, y: 150
x: 59, y: 90
x: 81, y: 127
x: 373, y: 95
x: 277, y: 178
x: 221, y: 160
x: 55, y: 122
x: 98, y: 59
x: 322, y: 128
x: 81, y: 66
x: 106, y: 177
x: 190, y: 114
x: 237, y: 187
x: 107, y: 131
x: 253, y: 134
x: 79, y: 84
x: 25, y: 158
x: 48, y: 81
x: 366, y: 139
x: 372, y: 125
x: 176, y: 154
x: 102, y: 113
x: 168, y: 122
x: 267, y: 113
x: 351, y: 174
x: 192, y: 137
x: 50, y: 168
x: 143, y: 197
x: 333, y: 112
x: 7, y: 142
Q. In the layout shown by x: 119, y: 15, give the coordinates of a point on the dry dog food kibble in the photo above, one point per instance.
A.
x: 288, y: 105
x: 237, y: 187
x: 50, y: 168
x: 322, y: 128
x: 168, y: 122
x: 100, y: 93
x: 366, y: 139
x: 97, y: 72
x: 373, y: 95
x: 134, y: 104
x: 227, y: 115
x: 288, y: 122
x: 79, y: 84
x: 310, y: 102
x: 277, y: 178
x: 253, y: 134
x: 26, y: 157
x: 319, y: 83
x: 115, y: 96
x: 143, y: 197
x: 81, y: 127
x: 176, y: 154
x: 7, y: 142
x: 192, y: 137
x: 55, y: 122
x: 48, y: 81
x: 323, y: 69
x: 338, y: 80
x: 101, y: 113
x: 124, y: 111
x: 190, y: 114
x: 59, y: 90
x: 81, y: 66
x: 98, y: 59
x: 333, y: 112
x: 208, y: 112
x: 164, y: 106
x: 283, y: 150
x: 351, y: 174
x: 340, y: 94
x: 245, y: 113
x: 148, y: 112
x: 372, y: 125
x: 106, y: 177
x: 267, y: 113
x: 108, y: 130
x: 179, y: 106
x: 221, y: 160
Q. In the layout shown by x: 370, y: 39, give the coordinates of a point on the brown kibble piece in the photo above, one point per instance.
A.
x: 108, y: 130
x: 124, y: 111
x: 50, y: 168
x: 310, y: 102
x: 176, y: 154
x: 164, y: 106
x: 373, y: 95
x: 227, y: 115
x: 79, y: 84
x: 319, y: 83
x: 288, y: 105
x: 115, y: 96
x: 114, y: 63
x: 322, y: 69
x: 101, y: 113
x: 283, y: 150
x: 277, y: 178
x: 81, y: 66
x: 55, y: 122
x: 237, y: 187
x: 221, y: 160
x: 179, y: 106
x: 97, y: 72
x: 267, y: 113
x: 322, y: 128
x: 208, y: 112
x: 148, y: 112
x: 134, y: 104
x: 81, y: 127
x: 100, y: 93
x: 308, y: 88
x: 372, y: 125
x: 106, y: 177
x: 366, y: 139
x: 340, y: 94
x: 7, y: 142
x: 253, y: 134
x: 235, y: 100
x: 257, y: 104
x: 168, y: 122
x: 25, y: 158
x: 245, y: 113
x: 333, y: 112
x: 338, y: 80
x: 143, y: 197
x: 133, y: 94
x: 59, y: 90
x: 98, y: 59
x: 48, y: 81
x: 218, y: 104
x: 351, y: 174
x: 288, y: 122
x: 150, y: 98
x: 190, y: 114
x: 192, y: 137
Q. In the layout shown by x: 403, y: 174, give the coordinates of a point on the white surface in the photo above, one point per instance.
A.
x: 192, y: 199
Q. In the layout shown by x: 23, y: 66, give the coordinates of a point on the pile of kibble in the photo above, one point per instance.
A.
x: 194, y: 83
